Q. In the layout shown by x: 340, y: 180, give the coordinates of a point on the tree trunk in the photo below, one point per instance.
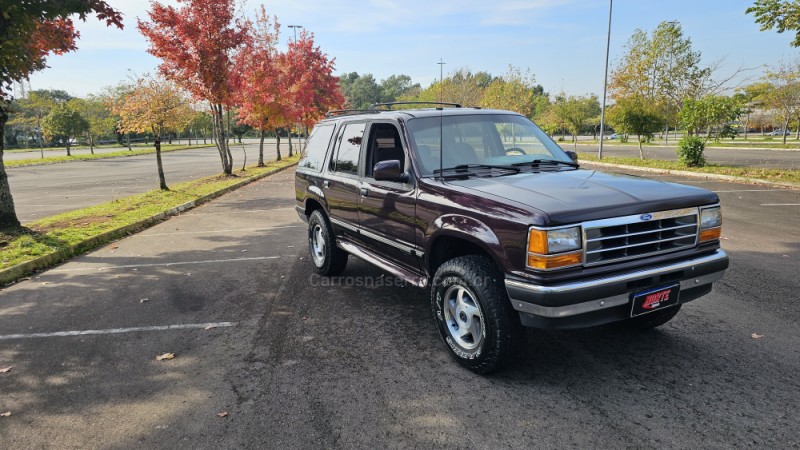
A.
x: 161, y: 180
x: 641, y: 151
x: 68, y: 148
x: 41, y: 143
x: 8, y: 215
x: 261, y: 149
x: 289, y: 135
x: 128, y: 141
x: 91, y: 144
x: 785, y: 127
x: 278, y: 144
x: 222, y: 141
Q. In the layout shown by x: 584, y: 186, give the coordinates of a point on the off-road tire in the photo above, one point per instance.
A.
x: 328, y: 259
x: 500, y: 330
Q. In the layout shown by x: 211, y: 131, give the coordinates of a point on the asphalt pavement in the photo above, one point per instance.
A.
x: 291, y: 360
x: 42, y: 191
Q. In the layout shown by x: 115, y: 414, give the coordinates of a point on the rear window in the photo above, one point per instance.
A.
x: 316, y: 148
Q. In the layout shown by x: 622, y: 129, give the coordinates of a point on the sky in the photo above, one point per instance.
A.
x: 561, y: 42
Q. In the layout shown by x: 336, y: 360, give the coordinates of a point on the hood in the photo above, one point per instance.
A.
x: 579, y: 195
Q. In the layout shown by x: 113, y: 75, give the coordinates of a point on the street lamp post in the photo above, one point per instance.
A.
x: 294, y: 28
x: 605, y: 83
x: 441, y: 64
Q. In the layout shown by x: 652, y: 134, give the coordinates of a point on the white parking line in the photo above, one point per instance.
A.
x: 184, y: 326
x: 218, y: 231
x: 180, y: 263
x: 780, y: 204
x: 754, y: 190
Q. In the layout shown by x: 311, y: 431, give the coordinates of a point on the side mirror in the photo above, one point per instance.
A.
x: 389, y: 171
x: 573, y: 156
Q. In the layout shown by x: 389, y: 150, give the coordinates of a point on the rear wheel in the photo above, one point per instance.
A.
x: 473, y: 313
x: 327, y: 258
x: 650, y: 320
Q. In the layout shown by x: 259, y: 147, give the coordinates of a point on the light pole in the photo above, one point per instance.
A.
x: 294, y: 28
x: 605, y: 84
x: 441, y: 64
x: 669, y: 74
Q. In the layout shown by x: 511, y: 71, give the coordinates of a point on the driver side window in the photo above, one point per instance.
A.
x: 384, y: 145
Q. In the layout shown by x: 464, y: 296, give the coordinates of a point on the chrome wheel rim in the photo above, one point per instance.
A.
x: 463, y: 317
x: 317, y: 245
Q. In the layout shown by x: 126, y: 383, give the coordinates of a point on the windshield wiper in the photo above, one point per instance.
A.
x: 540, y: 162
x: 467, y: 168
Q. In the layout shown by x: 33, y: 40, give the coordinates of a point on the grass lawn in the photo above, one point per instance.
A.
x: 85, y: 157
x: 68, y: 233
x: 779, y: 175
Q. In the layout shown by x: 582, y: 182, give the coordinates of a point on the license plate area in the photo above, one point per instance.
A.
x: 654, y: 299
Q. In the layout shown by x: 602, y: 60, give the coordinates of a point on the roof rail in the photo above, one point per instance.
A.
x: 347, y: 112
x: 390, y: 104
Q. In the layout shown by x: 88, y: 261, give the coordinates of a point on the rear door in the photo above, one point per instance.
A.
x: 341, y: 186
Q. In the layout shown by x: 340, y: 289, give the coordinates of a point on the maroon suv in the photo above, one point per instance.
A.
x: 502, y: 225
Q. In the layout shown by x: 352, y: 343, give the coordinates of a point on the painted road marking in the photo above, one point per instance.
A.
x: 780, y: 204
x: 180, y: 263
x: 184, y: 326
x: 755, y: 190
x: 219, y: 231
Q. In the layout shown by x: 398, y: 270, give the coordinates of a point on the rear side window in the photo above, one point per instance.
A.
x: 349, y: 149
x: 317, y: 147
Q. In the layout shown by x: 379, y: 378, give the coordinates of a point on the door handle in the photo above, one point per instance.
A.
x: 326, y: 183
x: 364, y: 192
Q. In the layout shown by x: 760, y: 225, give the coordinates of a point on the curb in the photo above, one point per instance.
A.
x: 18, y: 271
x: 685, y: 173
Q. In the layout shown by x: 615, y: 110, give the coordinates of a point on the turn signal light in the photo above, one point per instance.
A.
x: 537, y: 241
x: 548, y: 262
x: 711, y: 234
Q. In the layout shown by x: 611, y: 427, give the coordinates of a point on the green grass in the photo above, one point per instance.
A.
x: 62, y: 232
x: 779, y: 175
x: 119, y: 154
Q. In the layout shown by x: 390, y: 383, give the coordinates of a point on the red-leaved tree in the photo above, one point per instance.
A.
x: 30, y: 30
x: 259, y: 81
x: 314, y: 89
x: 196, y: 44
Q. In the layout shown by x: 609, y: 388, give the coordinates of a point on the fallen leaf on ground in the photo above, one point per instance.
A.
x: 5, y: 414
x: 165, y: 356
x: 243, y: 251
x: 6, y: 369
x: 756, y: 336
x: 724, y: 238
x: 144, y: 300
x: 210, y: 327
x: 222, y: 414
x: 114, y: 247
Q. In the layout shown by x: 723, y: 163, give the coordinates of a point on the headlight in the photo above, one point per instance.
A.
x: 710, y: 223
x: 554, y: 249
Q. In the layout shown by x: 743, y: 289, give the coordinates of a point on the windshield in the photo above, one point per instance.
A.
x: 486, y: 139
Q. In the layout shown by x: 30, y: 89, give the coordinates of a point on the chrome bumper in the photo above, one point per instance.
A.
x: 580, y: 297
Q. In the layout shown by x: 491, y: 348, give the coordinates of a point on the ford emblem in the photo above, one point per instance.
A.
x: 646, y: 217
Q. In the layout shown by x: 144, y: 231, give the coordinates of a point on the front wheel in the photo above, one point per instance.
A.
x: 327, y: 258
x: 473, y: 313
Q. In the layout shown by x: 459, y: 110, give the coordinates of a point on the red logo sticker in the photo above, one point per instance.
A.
x: 653, y: 300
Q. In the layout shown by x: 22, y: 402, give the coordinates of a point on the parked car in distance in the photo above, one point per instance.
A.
x: 779, y: 132
x: 612, y: 136
x: 502, y: 226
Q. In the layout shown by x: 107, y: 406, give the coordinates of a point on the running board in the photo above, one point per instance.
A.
x: 383, y: 263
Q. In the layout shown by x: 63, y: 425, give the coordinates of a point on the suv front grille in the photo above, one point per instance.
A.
x: 629, y: 237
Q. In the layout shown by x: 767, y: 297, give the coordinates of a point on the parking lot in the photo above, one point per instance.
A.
x: 269, y: 356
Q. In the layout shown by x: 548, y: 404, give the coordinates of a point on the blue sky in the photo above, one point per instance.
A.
x: 562, y: 42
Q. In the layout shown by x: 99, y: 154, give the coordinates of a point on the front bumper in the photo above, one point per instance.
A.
x: 597, y: 301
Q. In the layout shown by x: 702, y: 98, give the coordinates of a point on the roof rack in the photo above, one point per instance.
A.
x: 347, y: 112
x: 388, y: 106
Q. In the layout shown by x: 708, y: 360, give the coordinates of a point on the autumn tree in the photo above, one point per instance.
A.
x: 30, y: 31
x: 157, y: 106
x: 573, y: 113
x: 712, y: 112
x: 66, y: 123
x: 784, y: 97
x: 196, y: 44
x: 32, y: 111
x: 516, y: 92
x: 95, y: 110
x: 635, y: 115
x: 783, y: 15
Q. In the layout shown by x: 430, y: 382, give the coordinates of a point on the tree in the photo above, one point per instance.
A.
x: 751, y: 97
x: 709, y: 113
x: 196, y: 44
x: 782, y: 15
x: 635, y: 115
x: 97, y: 113
x: 360, y: 91
x: 514, y: 92
x: 33, y: 109
x: 66, y: 123
x: 29, y: 32
x: 784, y: 96
x: 573, y: 113
x: 154, y: 105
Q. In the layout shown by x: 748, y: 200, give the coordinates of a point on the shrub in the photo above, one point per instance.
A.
x: 690, y: 151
